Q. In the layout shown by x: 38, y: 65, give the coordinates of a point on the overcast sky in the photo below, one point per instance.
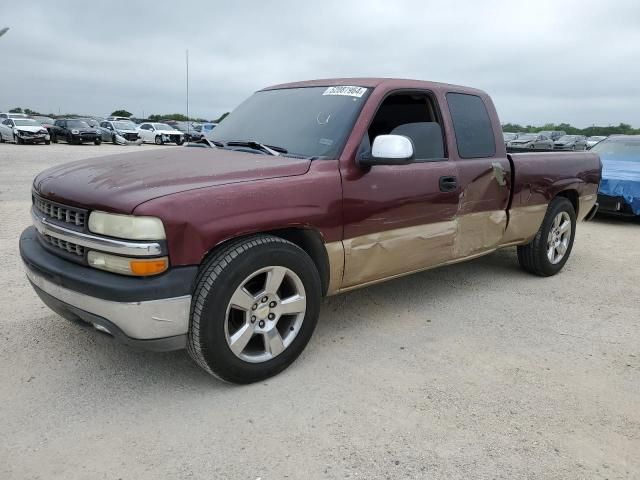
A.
x: 543, y: 61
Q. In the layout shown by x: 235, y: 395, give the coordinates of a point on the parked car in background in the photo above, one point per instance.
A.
x: 591, y: 141
x: 228, y: 251
x: 23, y: 130
x: 110, y: 130
x: 13, y: 115
x: 619, y: 191
x: 207, y: 129
x: 509, y: 136
x: 46, y: 122
x: 191, y: 134
x: 160, y: 133
x: 571, y: 142
x: 112, y: 118
x: 74, y: 131
x: 534, y: 141
x: 553, y: 134
x: 92, y: 122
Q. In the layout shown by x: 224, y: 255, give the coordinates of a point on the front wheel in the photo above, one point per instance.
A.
x: 47, y: 142
x: 97, y: 141
x: 254, y: 310
x: 547, y: 253
x: 159, y: 140
x: 180, y: 141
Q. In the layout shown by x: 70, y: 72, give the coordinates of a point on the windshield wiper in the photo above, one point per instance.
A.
x: 270, y: 149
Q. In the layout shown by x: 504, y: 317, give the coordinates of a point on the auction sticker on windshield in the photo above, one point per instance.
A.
x: 347, y: 90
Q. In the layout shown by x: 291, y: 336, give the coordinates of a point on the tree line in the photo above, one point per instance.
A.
x: 622, y: 128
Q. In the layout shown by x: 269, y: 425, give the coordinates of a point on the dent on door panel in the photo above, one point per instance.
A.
x: 479, y: 232
x: 397, y: 252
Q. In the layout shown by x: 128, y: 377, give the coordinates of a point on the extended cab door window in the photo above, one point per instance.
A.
x: 471, y: 123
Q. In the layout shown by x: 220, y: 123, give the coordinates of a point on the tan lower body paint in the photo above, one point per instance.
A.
x: 380, y: 256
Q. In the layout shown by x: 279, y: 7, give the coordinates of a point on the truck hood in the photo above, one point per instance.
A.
x: 119, y: 183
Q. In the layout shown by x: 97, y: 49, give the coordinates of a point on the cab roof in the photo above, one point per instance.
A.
x: 386, y: 83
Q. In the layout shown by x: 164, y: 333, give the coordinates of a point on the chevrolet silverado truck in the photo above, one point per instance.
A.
x: 306, y: 190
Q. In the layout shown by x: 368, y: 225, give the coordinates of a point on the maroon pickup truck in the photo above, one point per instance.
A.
x: 307, y: 189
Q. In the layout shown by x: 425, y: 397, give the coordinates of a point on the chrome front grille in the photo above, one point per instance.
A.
x: 62, y: 213
x: 64, y: 245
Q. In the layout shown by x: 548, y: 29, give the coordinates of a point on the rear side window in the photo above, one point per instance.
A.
x: 472, y: 125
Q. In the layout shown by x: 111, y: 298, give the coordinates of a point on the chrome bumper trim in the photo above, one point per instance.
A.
x: 166, y: 317
x: 94, y: 242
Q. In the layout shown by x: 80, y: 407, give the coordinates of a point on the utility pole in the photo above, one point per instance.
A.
x: 3, y: 30
x: 188, y: 120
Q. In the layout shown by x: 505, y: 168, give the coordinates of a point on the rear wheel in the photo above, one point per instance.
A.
x: 547, y: 253
x: 255, y: 307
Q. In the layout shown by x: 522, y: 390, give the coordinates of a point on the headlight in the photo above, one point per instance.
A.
x: 126, y: 226
x: 75, y: 132
x: 139, y: 267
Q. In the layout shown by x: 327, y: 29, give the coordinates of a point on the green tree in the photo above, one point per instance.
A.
x: 15, y: 110
x: 222, y: 117
x: 121, y: 113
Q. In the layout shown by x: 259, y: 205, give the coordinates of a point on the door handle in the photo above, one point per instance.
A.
x: 448, y: 184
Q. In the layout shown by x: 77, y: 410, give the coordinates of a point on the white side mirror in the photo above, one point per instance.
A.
x: 390, y: 150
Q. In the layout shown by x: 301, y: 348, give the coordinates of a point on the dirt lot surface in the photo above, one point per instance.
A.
x: 478, y: 370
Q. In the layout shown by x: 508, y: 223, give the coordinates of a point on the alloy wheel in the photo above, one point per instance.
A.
x: 265, y: 314
x: 559, y: 237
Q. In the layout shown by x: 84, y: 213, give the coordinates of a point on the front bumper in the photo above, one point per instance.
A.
x: 34, y: 137
x: 86, y: 137
x: 150, y: 313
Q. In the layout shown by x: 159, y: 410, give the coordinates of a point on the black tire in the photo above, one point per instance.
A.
x: 113, y: 139
x: 219, y: 277
x: 54, y: 138
x: 180, y: 141
x: 70, y: 140
x: 97, y: 141
x: 18, y: 140
x: 1, y: 138
x: 47, y: 142
x: 159, y: 140
x: 533, y: 256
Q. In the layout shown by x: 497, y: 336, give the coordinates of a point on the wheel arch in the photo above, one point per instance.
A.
x: 573, y: 196
x: 308, y: 239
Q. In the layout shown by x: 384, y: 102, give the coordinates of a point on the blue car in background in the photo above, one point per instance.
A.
x: 620, y: 186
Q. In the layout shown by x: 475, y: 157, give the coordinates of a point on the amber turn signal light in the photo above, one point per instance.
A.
x: 144, y: 268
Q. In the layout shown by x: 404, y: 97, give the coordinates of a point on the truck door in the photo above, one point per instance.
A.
x: 400, y: 218
x: 484, y: 174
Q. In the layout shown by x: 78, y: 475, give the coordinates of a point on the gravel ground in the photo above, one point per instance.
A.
x: 472, y: 371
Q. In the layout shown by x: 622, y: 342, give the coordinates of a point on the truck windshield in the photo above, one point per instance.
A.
x: 308, y: 122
